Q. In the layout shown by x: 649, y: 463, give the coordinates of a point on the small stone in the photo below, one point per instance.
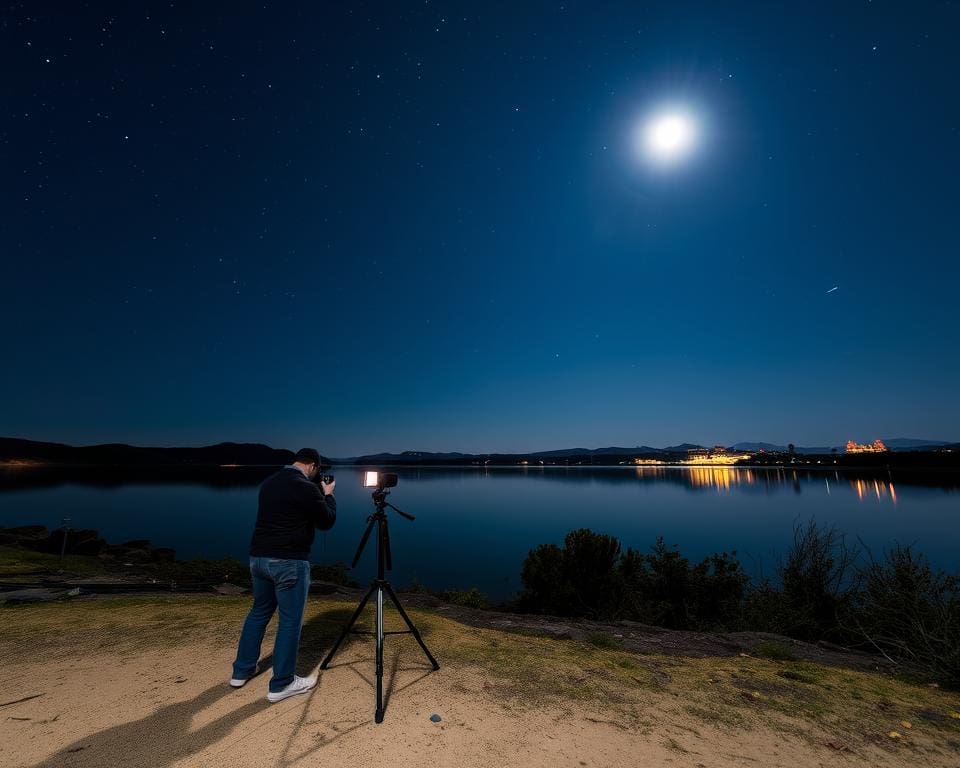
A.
x: 906, y: 724
x: 895, y: 735
x: 435, y: 718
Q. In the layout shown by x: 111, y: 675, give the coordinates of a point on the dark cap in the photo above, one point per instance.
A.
x: 308, y: 456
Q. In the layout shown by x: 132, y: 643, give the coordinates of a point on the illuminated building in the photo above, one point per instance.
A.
x: 876, y: 447
x: 716, y: 455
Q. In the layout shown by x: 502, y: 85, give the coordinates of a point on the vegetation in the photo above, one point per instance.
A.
x: 906, y: 611
x: 590, y: 577
x: 897, y: 606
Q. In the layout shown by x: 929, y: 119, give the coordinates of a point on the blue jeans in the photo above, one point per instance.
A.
x: 282, y: 584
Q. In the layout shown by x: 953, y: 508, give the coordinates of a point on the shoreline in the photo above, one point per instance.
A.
x: 817, y: 467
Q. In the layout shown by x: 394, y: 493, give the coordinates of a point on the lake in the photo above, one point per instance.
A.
x: 475, y: 526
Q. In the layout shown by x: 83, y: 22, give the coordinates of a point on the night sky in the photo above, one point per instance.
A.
x: 432, y: 226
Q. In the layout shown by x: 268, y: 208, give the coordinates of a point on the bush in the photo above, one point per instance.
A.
x: 911, y: 614
x: 898, y: 607
x: 817, y: 579
x: 589, y: 576
x: 576, y: 580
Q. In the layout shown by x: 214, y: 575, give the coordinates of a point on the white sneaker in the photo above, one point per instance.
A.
x: 299, y: 685
x: 239, y: 682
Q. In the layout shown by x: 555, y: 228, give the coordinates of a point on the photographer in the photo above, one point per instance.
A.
x: 291, y: 507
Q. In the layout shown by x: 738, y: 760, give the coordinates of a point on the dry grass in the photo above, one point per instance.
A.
x: 15, y: 562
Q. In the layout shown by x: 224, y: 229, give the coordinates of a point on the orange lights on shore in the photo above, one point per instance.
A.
x: 727, y: 459
x: 876, y: 446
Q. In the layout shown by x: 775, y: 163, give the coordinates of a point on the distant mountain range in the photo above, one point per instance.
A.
x: 894, y: 444
x: 120, y: 454
x: 257, y: 454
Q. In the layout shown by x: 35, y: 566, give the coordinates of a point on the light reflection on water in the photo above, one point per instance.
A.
x: 475, y: 526
x: 723, y: 478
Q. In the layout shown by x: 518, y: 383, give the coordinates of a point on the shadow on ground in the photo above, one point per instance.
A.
x: 167, y: 736
x: 159, y: 739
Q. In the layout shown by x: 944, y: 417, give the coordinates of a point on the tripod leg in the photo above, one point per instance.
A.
x: 378, y: 716
x: 346, y: 629
x: 413, y: 629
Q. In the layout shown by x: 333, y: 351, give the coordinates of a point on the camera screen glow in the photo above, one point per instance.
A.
x: 370, y: 479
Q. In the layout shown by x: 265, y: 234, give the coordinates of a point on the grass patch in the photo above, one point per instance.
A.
x: 719, y: 716
x: 774, y: 651
x: 16, y: 562
x: 603, y: 640
x: 469, y: 598
x: 799, y: 675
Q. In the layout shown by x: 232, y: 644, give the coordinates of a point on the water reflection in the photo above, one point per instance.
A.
x: 865, y: 484
x: 475, y: 525
x: 722, y: 478
x: 867, y: 488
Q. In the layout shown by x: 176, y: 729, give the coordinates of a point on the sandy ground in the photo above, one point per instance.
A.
x: 171, y: 706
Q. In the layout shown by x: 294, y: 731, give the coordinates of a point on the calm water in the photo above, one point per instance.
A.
x: 474, y: 527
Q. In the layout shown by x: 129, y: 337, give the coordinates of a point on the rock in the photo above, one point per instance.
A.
x: 112, y: 552
x: 82, y: 542
x: 323, y: 588
x: 85, y: 543
x: 137, y: 544
x: 29, y: 536
x: 35, y: 595
x: 229, y: 589
x: 435, y: 718
x: 164, y: 555
x: 137, y: 556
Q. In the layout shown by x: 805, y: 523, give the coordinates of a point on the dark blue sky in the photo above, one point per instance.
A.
x: 426, y: 226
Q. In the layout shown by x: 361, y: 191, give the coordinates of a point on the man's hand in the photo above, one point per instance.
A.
x: 327, y: 488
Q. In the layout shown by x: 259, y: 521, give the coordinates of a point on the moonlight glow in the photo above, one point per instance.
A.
x: 668, y: 137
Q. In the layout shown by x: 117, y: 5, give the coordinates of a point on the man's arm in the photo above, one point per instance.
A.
x: 323, y: 509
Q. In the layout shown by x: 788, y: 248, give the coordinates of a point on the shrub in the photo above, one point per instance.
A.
x: 578, y: 579
x: 589, y: 576
x: 911, y: 614
x: 817, y: 578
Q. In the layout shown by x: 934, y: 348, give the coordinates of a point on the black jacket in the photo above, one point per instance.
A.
x: 290, y: 508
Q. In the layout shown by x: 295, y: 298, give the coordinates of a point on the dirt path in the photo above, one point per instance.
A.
x: 143, y: 684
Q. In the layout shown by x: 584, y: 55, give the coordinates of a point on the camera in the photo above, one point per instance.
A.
x: 321, y: 478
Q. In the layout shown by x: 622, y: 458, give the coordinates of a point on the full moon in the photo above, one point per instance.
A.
x: 668, y: 137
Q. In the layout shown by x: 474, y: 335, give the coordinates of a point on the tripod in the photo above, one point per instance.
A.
x: 377, y: 587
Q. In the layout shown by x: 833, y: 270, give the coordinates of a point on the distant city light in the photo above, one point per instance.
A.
x: 876, y: 447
